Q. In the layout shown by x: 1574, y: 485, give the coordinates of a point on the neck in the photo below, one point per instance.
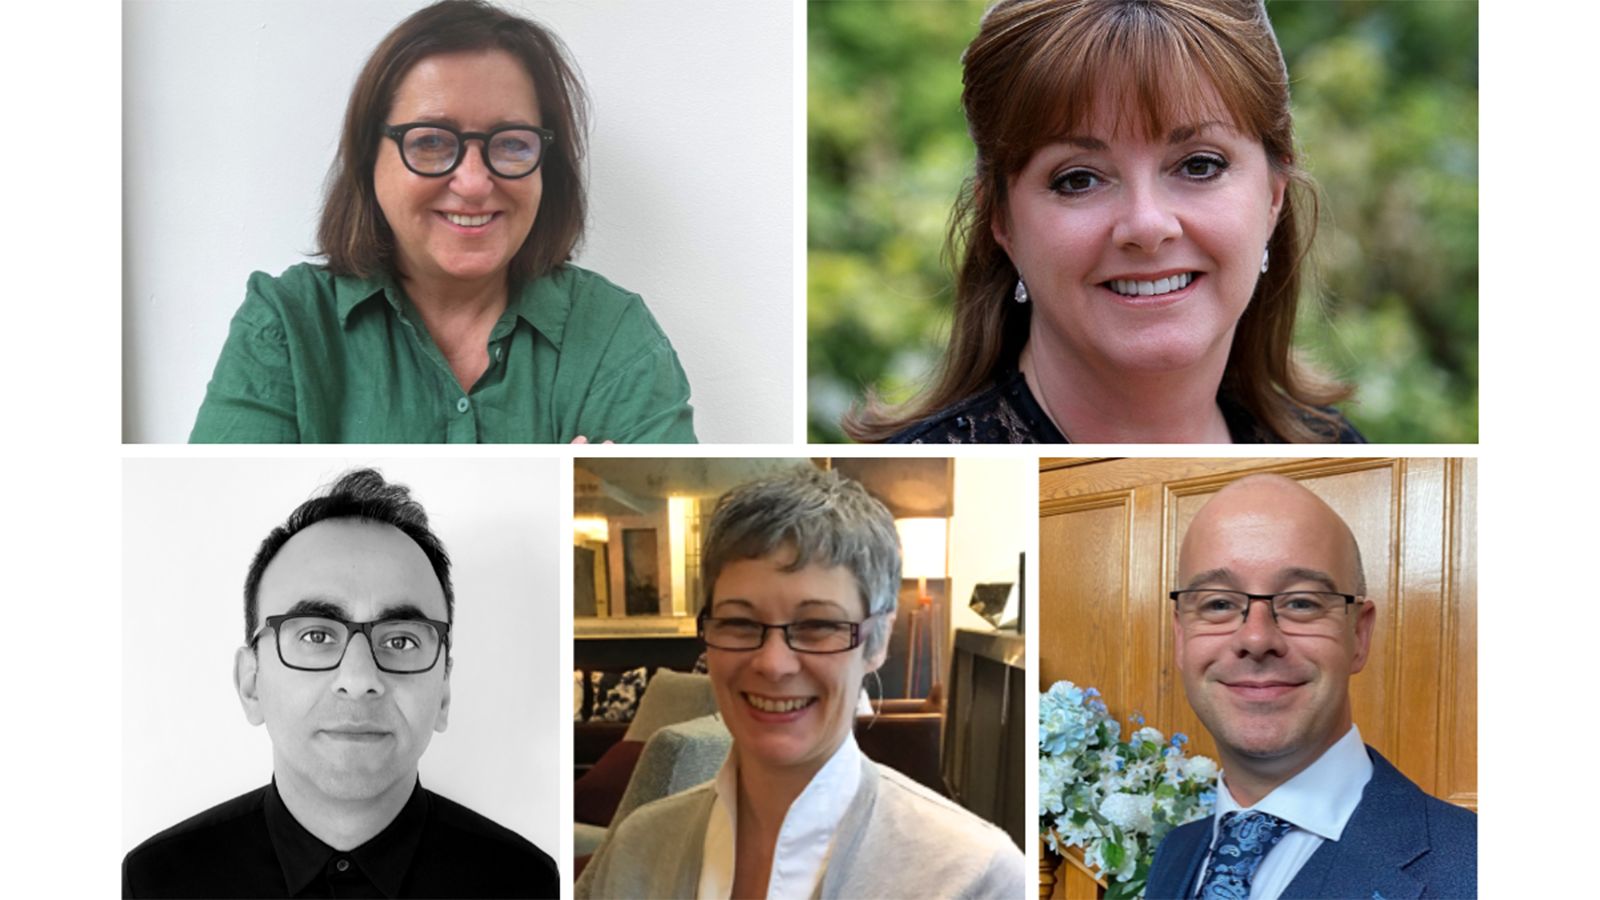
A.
x: 342, y: 824
x: 1093, y: 405
x: 455, y: 300
x: 1250, y: 779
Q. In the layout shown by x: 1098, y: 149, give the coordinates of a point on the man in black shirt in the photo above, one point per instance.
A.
x: 348, y: 607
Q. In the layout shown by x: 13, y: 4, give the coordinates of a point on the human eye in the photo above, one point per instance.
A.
x: 736, y: 625
x: 1215, y: 602
x: 400, y: 642
x: 1306, y: 603
x: 1074, y: 182
x: 316, y: 633
x: 818, y: 628
x: 1202, y: 167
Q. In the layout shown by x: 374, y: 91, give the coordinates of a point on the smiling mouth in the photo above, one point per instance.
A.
x: 1131, y: 288
x: 468, y: 221
x: 778, y: 705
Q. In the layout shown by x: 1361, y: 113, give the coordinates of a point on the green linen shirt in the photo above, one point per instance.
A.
x: 313, y: 357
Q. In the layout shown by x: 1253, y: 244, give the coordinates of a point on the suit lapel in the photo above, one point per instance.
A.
x: 1188, y: 846
x: 1387, y: 832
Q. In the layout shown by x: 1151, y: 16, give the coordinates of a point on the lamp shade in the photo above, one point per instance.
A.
x: 923, y: 546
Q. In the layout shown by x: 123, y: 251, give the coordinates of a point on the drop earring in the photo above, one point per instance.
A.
x: 1021, y: 293
x: 1264, y: 253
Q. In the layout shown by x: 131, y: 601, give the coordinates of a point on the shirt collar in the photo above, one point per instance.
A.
x: 804, y: 840
x: 384, y: 859
x: 1321, y: 798
x: 541, y: 303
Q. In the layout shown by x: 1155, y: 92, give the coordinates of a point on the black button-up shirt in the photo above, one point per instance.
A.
x: 251, y: 846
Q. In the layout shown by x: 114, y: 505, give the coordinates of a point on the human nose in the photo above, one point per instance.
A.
x: 1147, y: 218
x: 358, y: 673
x: 1258, y: 635
x: 472, y: 177
x: 775, y: 659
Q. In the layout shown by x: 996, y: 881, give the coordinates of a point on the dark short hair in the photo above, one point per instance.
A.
x: 353, y: 234
x: 358, y: 494
x: 828, y: 519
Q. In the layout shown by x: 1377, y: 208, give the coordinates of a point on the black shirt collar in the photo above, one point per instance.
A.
x: 384, y: 859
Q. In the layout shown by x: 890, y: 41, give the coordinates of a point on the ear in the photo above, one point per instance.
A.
x: 442, y: 721
x: 1280, y: 187
x: 1177, y: 637
x: 1365, y: 620
x: 1000, y: 227
x: 246, y: 666
x: 875, y: 660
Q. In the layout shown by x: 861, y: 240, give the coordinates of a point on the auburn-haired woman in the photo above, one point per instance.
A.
x: 1132, y: 238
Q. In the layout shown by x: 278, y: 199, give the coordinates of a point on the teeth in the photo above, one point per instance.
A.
x: 1128, y: 288
x: 469, y: 221
x: 776, y: 706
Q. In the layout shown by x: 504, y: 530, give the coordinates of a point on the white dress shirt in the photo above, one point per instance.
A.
x: 1318, y: 803
x: 805, y: 840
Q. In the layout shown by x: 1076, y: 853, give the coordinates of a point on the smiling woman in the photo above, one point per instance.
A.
x: 803, y: 576
x: 1131, y: 240
x: 448, y: 309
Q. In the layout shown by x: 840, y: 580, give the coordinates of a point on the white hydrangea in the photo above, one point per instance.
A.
x: 1148, y: 735
x: 1130, y: 812
x: 1202, y: 769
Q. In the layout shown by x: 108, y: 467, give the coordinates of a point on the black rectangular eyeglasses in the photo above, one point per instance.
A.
x: 318, y: 643
x: 433, y: 150
x: 804, y: 636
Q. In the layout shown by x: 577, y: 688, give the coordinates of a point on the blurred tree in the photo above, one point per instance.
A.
x: 1386, y: 110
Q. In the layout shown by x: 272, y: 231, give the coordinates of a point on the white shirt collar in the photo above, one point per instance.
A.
x: 1321, y: 798
x: 805, y: 840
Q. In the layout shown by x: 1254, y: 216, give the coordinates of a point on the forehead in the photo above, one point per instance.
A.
x: 1120, y: 108
x: 473, y: 89
x: 763, y: 585
x: 362, y: 567
x: 1257, y: 535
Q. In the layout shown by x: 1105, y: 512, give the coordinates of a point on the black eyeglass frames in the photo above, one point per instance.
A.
x: 433, y: 150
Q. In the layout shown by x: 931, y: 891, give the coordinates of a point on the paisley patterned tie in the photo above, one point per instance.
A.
x: 1242, y: 842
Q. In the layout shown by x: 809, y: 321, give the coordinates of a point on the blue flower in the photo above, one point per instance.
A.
x: 1179, y: 739
x: 1136, y: 719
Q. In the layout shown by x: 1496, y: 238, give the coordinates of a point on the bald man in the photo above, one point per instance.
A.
x: 1270, y: 621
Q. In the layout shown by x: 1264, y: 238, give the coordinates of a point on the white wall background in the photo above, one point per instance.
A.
x: 231, y: 115
x: 995, y: 509
x: 190, y: 529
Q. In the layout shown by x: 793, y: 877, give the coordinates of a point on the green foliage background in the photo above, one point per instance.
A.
x: 1386, y: 111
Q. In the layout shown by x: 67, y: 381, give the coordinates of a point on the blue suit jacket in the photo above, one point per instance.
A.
x: 1399, y: 843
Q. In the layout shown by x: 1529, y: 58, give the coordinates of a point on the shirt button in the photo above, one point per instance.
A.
x: 342, y: 865
x: 462, y: 404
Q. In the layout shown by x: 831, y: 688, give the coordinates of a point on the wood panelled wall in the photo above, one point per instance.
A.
x: 1109, y: 532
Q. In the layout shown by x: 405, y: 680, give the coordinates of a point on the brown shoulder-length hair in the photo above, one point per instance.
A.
x: 353, y: 233
x: 1032, y: 76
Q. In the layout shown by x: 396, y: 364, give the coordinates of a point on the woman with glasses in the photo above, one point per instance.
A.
x: 447, y: 309
x: 803, y: 573
x: 1131, y: 240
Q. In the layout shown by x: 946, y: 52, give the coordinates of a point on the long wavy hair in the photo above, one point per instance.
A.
x: 1032, y: 76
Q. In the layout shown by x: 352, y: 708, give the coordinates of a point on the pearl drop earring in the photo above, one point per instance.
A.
x: 1264, y: 253
x: 1021, y: 293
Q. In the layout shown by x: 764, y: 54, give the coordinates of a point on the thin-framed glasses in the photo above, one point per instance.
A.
x: 433, y: 150
x: 804, y: 636
x: 1212, y: 610
x: 319, y: 643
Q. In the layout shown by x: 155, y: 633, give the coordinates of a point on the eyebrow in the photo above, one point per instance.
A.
x: 1176, y: 136
x: 802, y: 605
x: 1293, y: 573
x: 453, y: 122
x: 330, y: 610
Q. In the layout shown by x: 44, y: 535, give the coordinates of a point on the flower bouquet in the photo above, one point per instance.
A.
x: 1115, y: 799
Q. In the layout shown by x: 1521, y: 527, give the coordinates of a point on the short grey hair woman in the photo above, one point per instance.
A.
x: 803, y: 574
